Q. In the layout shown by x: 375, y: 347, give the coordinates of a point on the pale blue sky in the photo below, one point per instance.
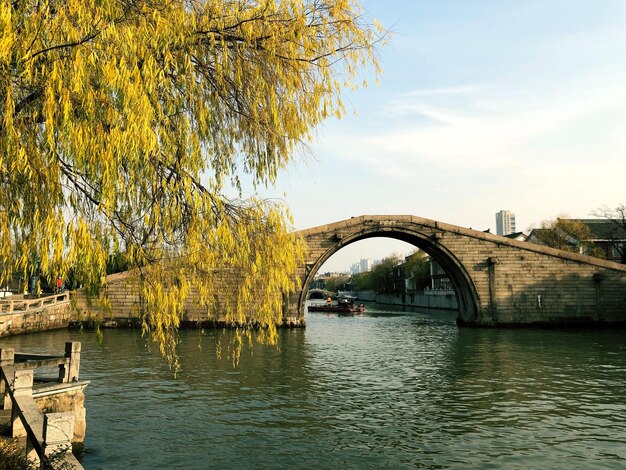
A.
x: 482, y: 106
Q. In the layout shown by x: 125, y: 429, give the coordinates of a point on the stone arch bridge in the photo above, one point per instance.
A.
x: 497, y: 281
x: 318, y: 294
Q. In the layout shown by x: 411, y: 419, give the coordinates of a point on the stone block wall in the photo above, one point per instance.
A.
x: 41, y: 319
x: 126, y: 304
x: 522, y: 283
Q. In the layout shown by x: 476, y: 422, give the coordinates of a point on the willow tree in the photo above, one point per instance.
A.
x: 124, y: 124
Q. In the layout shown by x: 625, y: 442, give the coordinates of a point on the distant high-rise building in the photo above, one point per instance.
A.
x: 505, y: 222
x: 362, y: 266
x: 354, y: 268
x: 365, y: 265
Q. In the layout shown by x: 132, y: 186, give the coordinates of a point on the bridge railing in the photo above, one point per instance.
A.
x: 442, y: 291
x: 46, y: 435
x: 21, y: 304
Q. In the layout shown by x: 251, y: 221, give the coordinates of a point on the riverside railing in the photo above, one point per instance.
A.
x: 441, y: 291
x: 46, y: 434
x: 19, y: 303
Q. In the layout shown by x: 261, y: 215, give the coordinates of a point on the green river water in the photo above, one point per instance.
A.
x: 388, y: 390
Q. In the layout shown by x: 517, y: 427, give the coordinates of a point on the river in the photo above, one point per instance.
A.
x: 386, y: 390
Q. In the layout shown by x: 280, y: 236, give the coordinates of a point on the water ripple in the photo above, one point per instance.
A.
x: 387, y: 390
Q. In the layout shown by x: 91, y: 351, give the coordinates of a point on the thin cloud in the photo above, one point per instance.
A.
x: 490, y: 129
x: 439, y: 91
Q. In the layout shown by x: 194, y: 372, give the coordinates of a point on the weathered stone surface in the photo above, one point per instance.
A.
x: 22, y: 382
x: 71, y: 401
x: 7, y: 355
x: 58, y: 431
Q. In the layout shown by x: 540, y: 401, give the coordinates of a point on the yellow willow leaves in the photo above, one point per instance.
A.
x: 122, y: 122
x: 6, y: 31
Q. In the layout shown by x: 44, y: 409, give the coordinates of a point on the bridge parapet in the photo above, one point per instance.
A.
x: 24, y: 315
x: 49, y: 434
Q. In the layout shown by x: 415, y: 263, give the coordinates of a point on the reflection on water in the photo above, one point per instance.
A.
x: 383, y: 390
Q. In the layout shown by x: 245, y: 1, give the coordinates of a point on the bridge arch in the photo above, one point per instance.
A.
x: 466, y: 294
x: 497, y: 281
x: 317, y: 293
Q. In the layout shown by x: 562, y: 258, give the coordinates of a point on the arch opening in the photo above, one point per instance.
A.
x: 317, y: 294
x: 464, y: 289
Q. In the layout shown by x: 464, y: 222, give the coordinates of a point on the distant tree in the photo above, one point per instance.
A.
x: 380, y: 278
x: 123, y: 121
x: 334, y: 283
x: 617, y: 217
x: 567, y: 234
x: 361, y: 281
x: 417, y: 265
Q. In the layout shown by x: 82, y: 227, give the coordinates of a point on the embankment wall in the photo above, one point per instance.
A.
x: 41, y: 319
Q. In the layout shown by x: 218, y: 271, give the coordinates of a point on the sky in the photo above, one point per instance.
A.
x: 482, y: 106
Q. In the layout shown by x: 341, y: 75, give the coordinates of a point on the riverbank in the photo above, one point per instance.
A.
x: 434, y: 300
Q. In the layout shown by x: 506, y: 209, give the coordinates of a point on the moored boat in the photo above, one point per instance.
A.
x: 333, y: 308
x: 343, y: 306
